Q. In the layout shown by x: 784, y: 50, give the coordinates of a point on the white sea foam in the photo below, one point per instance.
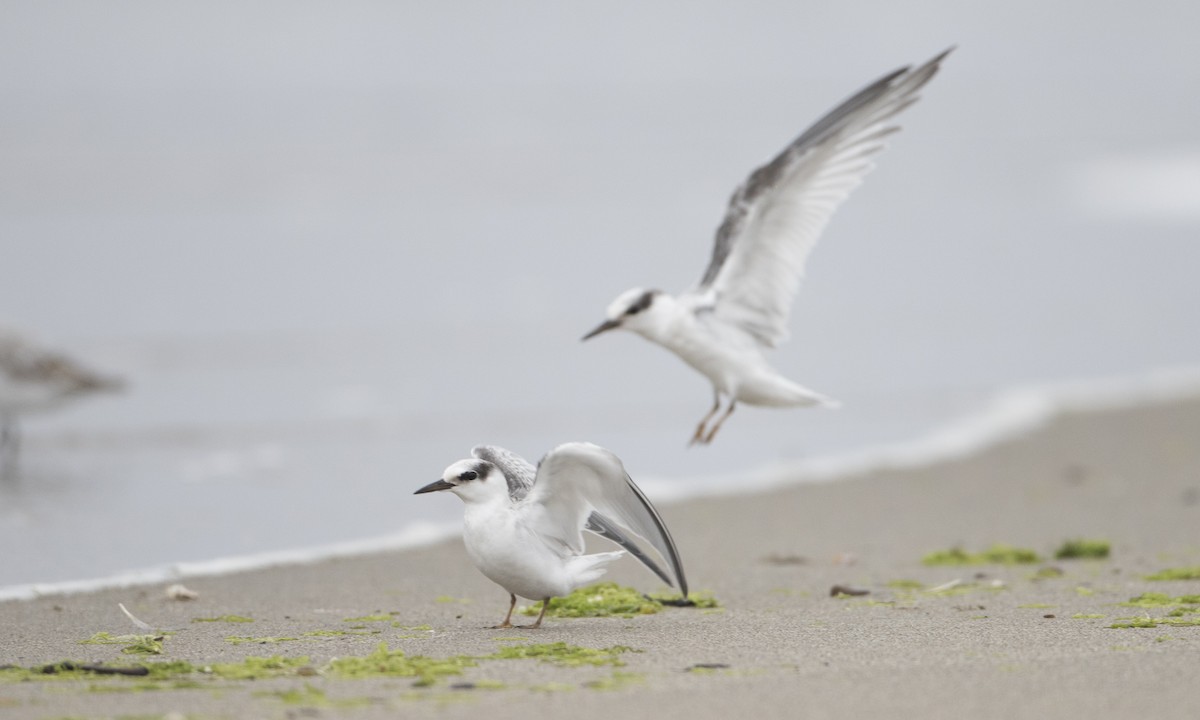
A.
x: 413, y: 536
x: 1010, y: 415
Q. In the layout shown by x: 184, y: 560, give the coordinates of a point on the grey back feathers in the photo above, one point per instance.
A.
x: 517, y: 471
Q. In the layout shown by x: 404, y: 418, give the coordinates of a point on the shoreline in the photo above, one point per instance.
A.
x: 939, y: 641
x: 1010, y: 414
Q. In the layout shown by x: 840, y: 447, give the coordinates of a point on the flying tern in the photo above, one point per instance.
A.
x: 523, y: 526
x: 739, y: 309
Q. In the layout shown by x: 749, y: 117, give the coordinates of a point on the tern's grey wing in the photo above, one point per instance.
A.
x: 520, y: 475
x: 775, y: 218
x: 576, y: 480
x: 518, y: 472
x: 607, y: 529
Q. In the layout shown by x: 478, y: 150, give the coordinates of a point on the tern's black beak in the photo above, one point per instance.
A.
x: 602, y: 327
x: 435, y: 486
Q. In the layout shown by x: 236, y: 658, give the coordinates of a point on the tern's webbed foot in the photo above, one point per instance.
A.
x: 503, y: 626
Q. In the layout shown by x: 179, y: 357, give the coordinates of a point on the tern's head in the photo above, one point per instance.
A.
x: 472, y: 480
x: 642, y: 311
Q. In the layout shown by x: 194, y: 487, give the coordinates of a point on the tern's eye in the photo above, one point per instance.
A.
x: 642, y: 303
x: 468, y: 475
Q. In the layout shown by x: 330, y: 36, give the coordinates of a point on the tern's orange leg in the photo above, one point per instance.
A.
x: 713, y: 433
x: 507, y: 618
x: 538, y: 623
x: 698, y: 436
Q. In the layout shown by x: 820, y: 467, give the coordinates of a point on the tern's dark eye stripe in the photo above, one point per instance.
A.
x: 468, y: 475
x: 642, y: 303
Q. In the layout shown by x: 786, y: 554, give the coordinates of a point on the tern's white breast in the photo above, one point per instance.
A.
x: 719, y: 354
x: 511, y: 555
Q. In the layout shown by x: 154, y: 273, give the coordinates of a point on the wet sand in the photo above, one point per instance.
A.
x: 1002, y: 644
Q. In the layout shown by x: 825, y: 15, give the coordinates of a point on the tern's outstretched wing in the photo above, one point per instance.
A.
x: 775, y: 218
x: 576, y: 480
x: 520, y: 475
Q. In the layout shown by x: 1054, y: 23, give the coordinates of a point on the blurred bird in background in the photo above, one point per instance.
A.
x: 32, y: 380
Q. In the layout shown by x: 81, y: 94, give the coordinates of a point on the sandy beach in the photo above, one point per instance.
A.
x: 996, y: 641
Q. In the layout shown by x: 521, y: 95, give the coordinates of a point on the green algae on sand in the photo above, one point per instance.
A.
x: 247, y: 640
x: 616, y: 681
x: 395, y: 663
x: 1183, y: 573
x: 1083, y: 549
x: 313, y: 697
x: 381, y: 663
x: 255, y: 668
x: 155, y: 674
x: 599, y: 600
x: 224, y: 619
x: 134, y: 644
x: 1151, y: 622
x: 1154, y: 599
x: 609, y: 599
x: 382, y: 617
x: 998, y: 554
x: 560, y: 653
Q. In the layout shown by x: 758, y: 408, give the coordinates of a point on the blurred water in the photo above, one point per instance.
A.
x: 333, y: 247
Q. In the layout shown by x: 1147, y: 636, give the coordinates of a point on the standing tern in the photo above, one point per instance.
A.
x: 740, y: 307
x: 33, y: 379
x: 523, y: 526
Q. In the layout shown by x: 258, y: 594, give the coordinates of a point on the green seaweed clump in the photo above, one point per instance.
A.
x: 995, y: 555
x: 1182, y: 606
x: 225, y: 618
x: 599, y: 600
x: 254, y: 668
x: 560, y: 653
x: 1080, y: 548
x: 1149, y: 622
x: 134, y: 644
x: 394, y: 663
x: 1153, y: 599
x: 1185, y: 573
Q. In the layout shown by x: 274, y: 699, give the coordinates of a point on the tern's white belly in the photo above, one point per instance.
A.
x: 513, y: 557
